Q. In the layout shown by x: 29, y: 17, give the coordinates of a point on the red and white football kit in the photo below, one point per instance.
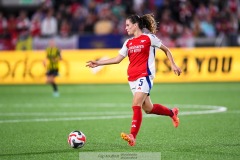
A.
x: 141, y: 53
x: 141, y: 71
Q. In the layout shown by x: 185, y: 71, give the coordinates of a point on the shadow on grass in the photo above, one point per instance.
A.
x: 37, y: 153
x: 97, y: 148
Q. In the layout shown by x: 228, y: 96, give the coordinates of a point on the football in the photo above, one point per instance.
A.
x: 76, y: 139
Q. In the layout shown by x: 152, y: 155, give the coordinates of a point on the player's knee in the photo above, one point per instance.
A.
x: 137, y: 104
x: 147, y: 111
x: 49, y: 80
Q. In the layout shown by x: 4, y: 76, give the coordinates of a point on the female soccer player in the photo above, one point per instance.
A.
x: 141, y: 70
x: 52, y: 63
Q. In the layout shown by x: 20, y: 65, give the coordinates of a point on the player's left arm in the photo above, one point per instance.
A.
x: 156, y: 42
x: 168, y: 53
x: 59, y: 55
x: 46, y: 59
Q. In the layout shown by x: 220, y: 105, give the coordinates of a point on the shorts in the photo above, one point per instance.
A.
x: 142, y: 84
x: 53, y: 72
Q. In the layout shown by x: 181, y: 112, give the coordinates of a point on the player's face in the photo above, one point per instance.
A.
x: 130, y: 27
x: 52, y: 43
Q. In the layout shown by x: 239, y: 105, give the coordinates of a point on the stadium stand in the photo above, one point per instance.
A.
x: 182, y: 23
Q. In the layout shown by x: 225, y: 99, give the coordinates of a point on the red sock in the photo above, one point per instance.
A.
x: 161, y: 110
x: 136, y: 120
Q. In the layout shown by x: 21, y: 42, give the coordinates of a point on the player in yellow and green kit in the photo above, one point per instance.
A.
x: 52, y: 64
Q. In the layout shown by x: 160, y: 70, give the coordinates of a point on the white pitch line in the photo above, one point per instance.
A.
x: 68, y: 105
x: 62, y: 113
x: 221, y: 109
x: 233, y: 112
x: 64, y: 119
x: 93, y: 105
x: 214, y: 109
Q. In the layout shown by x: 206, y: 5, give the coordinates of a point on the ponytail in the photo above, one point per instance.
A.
x: 149, y: 22
x: 145, y: 21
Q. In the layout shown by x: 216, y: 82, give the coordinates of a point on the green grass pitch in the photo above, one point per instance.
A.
x: 35, y: 125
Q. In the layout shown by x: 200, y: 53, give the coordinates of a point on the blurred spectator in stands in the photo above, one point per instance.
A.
x: 165, y: 5
x: 5, y: 41
x: 168, y: 41
x: 105, y: 23
x: 59, y: 18
x: 185, y: 13
x: 213, y: 10
x: 49, y: 25
x: 129, y: 9
x: 61, y: 8
x: 207, y: 27
x: 23, y: 24
x: 39, y: 14
x: 3, y: 24
x: 74, y: 7
x: 12, y: 29
x: 103, y: 27
x: 196, y: 27
x: 5, y: 37
x: 68, y: 13
x: 207, y: 18
x: 65, y: 28
x: 168, y: 27
x: 202, y: 11
x: 234, y: 23
x: 88, y: 27
x: 223, y: 23
x: 35, y: 27
x: 63, y: 11
x: 233, y: 6
x: 121, y: 27
x: 186, y: 39
x: 233, y: 32
x: 76, y: 21
x: 48, y: 3
x: 238, y: 18
x: 24, y: 41
x: 165, y: 23
x: 118, y: 9
x: 138, y: 6
x: 234, y: 10
x: 91, y: 7
x: 12, y: 24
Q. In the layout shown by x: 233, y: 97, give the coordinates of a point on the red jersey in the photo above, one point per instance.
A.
x: 141, y: 53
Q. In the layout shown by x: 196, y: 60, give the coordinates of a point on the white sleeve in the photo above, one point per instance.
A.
x: 124, y: 50
x: 155, y: 41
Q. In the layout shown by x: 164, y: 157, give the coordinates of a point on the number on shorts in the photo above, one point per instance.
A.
x: 141, y: 82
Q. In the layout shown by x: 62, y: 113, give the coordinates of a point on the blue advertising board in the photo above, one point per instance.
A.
x: 100, y: 41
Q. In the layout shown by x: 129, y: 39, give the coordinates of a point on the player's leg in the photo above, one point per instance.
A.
x: 140, y: 89
x: 138, y: 99
x: 159, y: 109
x: 51, y: 81
x: 55, y: 87
x: 147, y: 105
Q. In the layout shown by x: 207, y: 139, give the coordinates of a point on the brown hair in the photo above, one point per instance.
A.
x: 145, y: 21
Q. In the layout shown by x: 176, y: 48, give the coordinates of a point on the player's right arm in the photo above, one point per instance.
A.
x: 122, y: 54
x: 45, y: 61
x: 115, y: 60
